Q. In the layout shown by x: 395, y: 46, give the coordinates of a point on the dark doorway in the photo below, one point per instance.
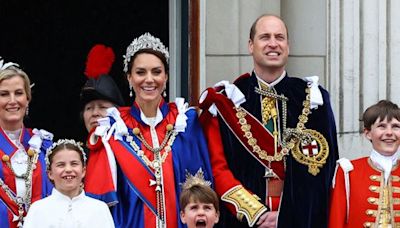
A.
x: 51, y: 39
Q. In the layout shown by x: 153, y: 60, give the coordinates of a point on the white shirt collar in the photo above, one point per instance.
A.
x: 272, y: 83
x: 149, y: 121
x: 58, y: 195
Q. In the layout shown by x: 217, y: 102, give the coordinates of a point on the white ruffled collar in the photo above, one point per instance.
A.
x: 13, y: 135
x: 385, y: 163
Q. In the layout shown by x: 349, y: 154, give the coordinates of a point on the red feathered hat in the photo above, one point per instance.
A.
x: 99, y: 61
x: 100, y: 84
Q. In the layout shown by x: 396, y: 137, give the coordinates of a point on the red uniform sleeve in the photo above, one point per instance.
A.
x: 338, y: 208
x: 238, y: 200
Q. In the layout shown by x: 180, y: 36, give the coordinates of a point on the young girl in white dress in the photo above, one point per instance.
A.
x: 68, y: 206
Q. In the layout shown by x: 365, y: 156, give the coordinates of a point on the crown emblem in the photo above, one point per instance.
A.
x: 197, y: 179
x: 145, y: 41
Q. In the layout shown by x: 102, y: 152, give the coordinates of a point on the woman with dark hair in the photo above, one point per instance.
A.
x: 23, y: 178
x: 147, y: 148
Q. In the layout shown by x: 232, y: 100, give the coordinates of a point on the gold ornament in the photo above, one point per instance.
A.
x: 30, y: 152
x: 169, y: 127
x: 314, y: 162
x: 5, y: 158
x: 197, y: 179
x: 136, y: 131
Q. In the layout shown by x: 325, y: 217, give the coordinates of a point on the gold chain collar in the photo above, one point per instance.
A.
x: 156, y: 164
x: 291, y: 135
x: 27, y: 176
x: 293, y: 138
x: 166, y: 145
x: 278, y: 155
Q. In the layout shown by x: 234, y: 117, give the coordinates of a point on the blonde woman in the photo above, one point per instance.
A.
x: 23, y: 178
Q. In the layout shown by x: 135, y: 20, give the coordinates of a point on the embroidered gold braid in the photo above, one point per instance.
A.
x: 246, y: 204
x: 269, y: 110
x: 384, y: 216
x: 385, y: 198
x: 269, y: 114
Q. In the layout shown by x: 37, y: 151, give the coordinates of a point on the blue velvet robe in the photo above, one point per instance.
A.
x: 305, y: 197
x: 189, y: 153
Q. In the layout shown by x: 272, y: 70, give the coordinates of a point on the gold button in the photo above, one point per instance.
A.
x: 169, y: 127
x: 136, y: 131
x: 374, y: 177
x: 30, y: 152
x: 5, y: 158
x: 369, y: 212
x: 373, y: 188
x: 371, y: 200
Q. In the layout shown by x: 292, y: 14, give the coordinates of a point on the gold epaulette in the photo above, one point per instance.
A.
x: 245, y: 203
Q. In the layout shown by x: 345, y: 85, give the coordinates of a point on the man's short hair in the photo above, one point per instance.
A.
x: 253, y: 26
